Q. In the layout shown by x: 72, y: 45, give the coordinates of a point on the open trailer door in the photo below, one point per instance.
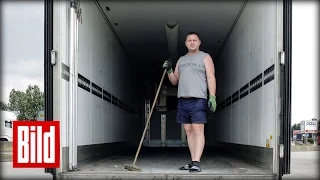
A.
x: 54, y: 12
x: 48, y: 70
x: 285, y: 125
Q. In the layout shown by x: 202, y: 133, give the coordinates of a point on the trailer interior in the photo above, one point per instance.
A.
x: 121, y: 48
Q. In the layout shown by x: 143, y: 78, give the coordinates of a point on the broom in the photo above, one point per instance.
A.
x: 133, y: 167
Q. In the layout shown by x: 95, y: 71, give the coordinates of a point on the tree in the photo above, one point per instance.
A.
x: 28, y: 103
x: 296, y: 126
x: 4, y: 106
x: 15, y: 100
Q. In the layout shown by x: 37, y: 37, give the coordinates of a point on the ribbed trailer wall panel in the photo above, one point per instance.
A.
x: 245, y: 64
x: 104, y: 64
x: 108, y: 101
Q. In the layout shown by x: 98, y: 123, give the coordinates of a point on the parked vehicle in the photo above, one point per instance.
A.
x: 6, y: 125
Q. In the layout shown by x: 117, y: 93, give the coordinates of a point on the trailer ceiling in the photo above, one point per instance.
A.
x: 141, y: 25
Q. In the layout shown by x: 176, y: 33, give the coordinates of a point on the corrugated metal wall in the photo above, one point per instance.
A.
x: 245, y: 74
x: 109, y: 94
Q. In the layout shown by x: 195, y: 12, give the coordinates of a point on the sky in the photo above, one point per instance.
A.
x: 305, y: 68
x: 22, y: 53
x: 22, y: 28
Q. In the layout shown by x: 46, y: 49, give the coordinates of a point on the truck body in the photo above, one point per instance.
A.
x: 6, y: 125
x: 103, y: 65
x: 299, y: 137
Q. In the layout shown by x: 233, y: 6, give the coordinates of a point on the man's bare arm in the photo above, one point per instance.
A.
x: 174, y: 76
x: 210, y: 71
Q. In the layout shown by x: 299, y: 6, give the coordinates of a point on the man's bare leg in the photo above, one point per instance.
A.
x: 199, y: 141
x: 190, y: 139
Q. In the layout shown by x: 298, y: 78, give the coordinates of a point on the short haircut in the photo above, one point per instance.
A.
x: 193, y: 33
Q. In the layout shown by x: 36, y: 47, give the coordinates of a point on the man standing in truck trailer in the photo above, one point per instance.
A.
x: 194, y: 74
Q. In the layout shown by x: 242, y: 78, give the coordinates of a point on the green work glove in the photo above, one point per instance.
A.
x: 212, y: 103
x: 168, y: 65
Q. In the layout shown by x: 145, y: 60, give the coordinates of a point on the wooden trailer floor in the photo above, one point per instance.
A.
x: 163, y: 163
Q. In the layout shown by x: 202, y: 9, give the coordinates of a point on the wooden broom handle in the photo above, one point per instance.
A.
x: 145, y: 129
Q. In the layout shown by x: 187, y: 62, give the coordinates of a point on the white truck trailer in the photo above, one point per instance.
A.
x: 7, y: 118
x: 103, y: 63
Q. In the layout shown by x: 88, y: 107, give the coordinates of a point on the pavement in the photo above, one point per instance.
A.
x: 8, y: 172
x: 304, y: 165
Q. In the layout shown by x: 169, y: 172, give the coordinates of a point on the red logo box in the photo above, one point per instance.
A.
x: 36, y: 144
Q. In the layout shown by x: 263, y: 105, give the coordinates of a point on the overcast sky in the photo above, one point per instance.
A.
x: 22, y: 45
x: 22, y: 53
x: 305, y: 57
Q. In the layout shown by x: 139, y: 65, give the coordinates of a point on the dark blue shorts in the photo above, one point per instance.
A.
x: 192, y: 110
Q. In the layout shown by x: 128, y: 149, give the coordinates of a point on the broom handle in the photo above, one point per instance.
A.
x: 145, y: 129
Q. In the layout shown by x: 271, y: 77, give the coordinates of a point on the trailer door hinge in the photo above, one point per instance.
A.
x: 79, y: 14
x: 76, y: 6
x: 53, y: 57
x: 281, y: 151
x: 282, y: 57
x: 73, y: 4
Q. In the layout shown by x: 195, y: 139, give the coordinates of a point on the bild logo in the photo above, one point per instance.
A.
x: 36, y: 144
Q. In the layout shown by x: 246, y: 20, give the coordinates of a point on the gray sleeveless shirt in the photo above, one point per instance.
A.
x: 192, y: 76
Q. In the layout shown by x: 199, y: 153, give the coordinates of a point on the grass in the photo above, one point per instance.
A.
x: 5, y: 157
x: 5, y: 146
x: 305, y: 147
x: 5, y: 151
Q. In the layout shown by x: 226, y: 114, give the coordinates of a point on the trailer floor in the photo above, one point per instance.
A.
x: 164, y: 163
